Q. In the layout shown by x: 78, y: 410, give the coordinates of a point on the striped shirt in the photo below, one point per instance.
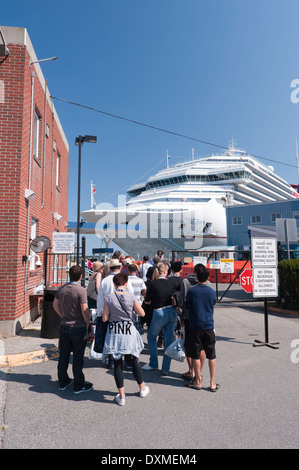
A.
x: 138, y: 285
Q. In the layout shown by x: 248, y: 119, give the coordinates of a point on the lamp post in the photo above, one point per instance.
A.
x: 79, y: 142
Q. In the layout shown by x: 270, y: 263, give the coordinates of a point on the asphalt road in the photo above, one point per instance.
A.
x: 256, y: 406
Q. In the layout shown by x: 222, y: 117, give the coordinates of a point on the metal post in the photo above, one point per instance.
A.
x: 78, y: 205
x: 266, y: 320
x: 83, y: 261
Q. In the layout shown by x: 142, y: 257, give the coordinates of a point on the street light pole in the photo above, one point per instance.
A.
x: 79, y: 141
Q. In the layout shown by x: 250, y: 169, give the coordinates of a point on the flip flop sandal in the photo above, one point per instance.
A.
x: 193, y: 385
x: 215, y: 389
x: 187, y: 376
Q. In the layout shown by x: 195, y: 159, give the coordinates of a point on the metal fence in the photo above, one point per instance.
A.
x: 56, y: 267
x: 229, y: 287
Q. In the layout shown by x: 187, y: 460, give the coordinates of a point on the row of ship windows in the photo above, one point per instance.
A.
x: 257, y: 219
x: 191, y: 178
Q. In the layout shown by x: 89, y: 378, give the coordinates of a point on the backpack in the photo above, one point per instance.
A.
x: 91, y: 288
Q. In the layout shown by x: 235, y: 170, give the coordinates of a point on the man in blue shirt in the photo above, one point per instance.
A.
x: 200, y: 300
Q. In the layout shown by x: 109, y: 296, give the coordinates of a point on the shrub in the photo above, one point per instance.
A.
x: 288, y: 271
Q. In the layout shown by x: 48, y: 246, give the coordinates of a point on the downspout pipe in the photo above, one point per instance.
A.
x: 28, y: 201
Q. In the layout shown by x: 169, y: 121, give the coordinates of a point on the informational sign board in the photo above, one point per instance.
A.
x: 265, y: 282
x: 214, y: 264
x: 226, y: 265
x: 200, y: 260
x: 264, y: 251
x: 63, y: 243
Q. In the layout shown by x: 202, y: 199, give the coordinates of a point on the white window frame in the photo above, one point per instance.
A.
x: 37, y: 118
x: 254, y: 219
x: 58, y: 163
x: 275, y: 216
x: 237, y: 220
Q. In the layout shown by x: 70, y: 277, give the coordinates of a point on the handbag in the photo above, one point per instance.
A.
x: 100, y: 334
x: 93, y: 354
x: 91, y: 288
x: 174, y: 300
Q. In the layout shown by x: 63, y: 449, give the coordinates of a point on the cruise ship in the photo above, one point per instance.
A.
x: 183, y: 207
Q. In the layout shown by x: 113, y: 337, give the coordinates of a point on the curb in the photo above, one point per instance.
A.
x: 27, y: 358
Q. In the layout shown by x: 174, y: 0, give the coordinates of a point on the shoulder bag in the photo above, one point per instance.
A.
x: 92, y: 289
x: 137, y: 324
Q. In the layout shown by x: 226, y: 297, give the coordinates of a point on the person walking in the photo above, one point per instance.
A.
x: 94, y: 284
x: 144, y: 267
x: 139, y: 292
x: 200, y: 300
x: 122, y: 338
x: 158, y: 294
x: 71, y: 305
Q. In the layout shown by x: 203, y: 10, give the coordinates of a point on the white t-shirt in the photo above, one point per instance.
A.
x: 143, y: 268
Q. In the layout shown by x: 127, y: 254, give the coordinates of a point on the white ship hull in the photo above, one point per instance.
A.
x: 184, y: 207
x: 140, y: 231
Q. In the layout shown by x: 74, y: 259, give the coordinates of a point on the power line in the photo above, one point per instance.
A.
x: 164, y: 130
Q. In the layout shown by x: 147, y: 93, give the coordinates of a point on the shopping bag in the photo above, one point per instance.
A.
x: 100, y: 334
x: 93, y: 354
x: 176, y: 350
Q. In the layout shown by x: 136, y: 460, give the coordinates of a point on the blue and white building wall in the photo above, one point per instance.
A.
x: 243, y: 220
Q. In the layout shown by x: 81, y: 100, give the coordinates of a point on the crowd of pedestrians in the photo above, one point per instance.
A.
x: 126, y: 298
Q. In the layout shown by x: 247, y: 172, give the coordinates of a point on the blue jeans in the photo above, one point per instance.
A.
x: 163, y: 318
x: 71, y: 339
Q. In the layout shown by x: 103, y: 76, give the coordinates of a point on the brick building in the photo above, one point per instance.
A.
x: 33, y: 159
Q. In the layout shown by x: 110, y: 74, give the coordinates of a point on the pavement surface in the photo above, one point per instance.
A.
x: 256, y: 407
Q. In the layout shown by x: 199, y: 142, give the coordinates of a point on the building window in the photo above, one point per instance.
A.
x: 33, y: 236
x: 273, y: 217
x: 237, y: 220
x: 37, y: 118
x: 256, y: 219
x: 296, y: 215
x: 58, y: 170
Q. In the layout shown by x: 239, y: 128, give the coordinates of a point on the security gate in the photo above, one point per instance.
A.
x: 225, y: 268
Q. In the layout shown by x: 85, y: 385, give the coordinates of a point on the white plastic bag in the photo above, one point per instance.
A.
x: 93, y: 354
x: 176, y: 350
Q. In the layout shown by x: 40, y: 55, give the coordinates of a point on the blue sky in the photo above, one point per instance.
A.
x: 210, y: 69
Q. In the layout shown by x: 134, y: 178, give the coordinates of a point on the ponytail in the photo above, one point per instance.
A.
x: 160, y: 269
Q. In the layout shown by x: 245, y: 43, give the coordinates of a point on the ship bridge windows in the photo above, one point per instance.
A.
x: 200, y: 178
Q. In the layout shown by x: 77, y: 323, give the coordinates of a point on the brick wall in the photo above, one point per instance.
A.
x: 17, y: 281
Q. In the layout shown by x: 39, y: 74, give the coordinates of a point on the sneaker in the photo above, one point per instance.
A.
x: 144, y: 391
x: 67, y: 385
x: 120, y: 400
x: 148, y: 367
x: 86, y: 388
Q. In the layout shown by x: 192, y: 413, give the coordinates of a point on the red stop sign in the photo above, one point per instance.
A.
x: 246, y: 280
